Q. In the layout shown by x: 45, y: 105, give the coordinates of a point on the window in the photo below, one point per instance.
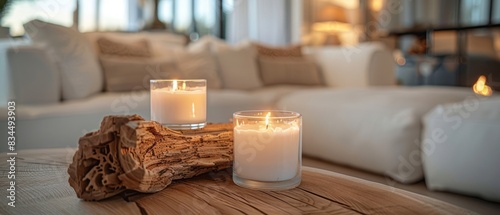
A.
x: 205, y: 12
x: 54, y: 11
x: 496, y: 12
x: 474, y: 12
x: 106, y: 15
x: 192, y: 17
x: 166, y: 12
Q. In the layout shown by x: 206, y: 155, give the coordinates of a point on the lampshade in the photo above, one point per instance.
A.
x: 332, y: 13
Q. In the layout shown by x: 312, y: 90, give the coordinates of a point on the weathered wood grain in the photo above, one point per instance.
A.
x: 129, y: 153
x: 320, y: 192
x: 42, y: 189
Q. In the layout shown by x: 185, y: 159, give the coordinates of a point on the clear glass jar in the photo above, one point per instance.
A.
x: 179, y: 104
x: 267, y: 149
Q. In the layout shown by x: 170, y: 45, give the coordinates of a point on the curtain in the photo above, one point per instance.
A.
x: 260, y: 20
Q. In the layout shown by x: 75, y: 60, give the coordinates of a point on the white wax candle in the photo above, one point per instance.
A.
x: 179, y: 106
x: 267, y: 153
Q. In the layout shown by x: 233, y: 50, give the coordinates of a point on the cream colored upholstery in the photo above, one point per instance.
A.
x: 37, y: 79
x: 376, y: 129
x: 461, y: 147
x: 367, y: 64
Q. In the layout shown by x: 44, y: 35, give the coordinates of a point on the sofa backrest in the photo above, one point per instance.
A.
x: 366, y: 64
x: 161, y: 43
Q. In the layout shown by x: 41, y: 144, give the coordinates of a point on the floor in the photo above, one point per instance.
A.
x: 471, y: 203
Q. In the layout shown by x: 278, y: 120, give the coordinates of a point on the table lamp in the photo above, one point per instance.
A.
x: 331, y: 20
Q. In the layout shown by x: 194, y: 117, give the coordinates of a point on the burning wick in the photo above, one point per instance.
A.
x: 174, y: 86
x: 481, y: 88
x: 267, y: 119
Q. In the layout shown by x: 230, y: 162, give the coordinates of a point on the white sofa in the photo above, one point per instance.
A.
x: 376, y: 129
x: 461, y: 148
x: 42, y: 121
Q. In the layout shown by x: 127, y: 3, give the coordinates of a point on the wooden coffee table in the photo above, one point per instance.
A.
x: 42, y: 188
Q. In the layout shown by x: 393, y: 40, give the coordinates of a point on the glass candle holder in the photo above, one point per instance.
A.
x: 179, y: 104
x: 267, y: 149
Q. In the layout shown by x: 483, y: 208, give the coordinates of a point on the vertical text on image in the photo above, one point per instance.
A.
x: 11, y: 154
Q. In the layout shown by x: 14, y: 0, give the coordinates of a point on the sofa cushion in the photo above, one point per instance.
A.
x: 207, y: 42
x: 6, y: 83
x: 139, y: 48
x: 198, y: 64
x: 238, y: 66
x: 129, y: 73
x: 36, y: 82
x: 461, y: 145
x: 288, y: 70
x: 161, y: 43
x: 283, y: 51
x: 376, y: 129
x: 81, y: 74
x: 366, y: 64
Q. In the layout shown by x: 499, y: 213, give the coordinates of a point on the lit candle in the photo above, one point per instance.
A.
x: 481, y: 88
x: 179, y: 106
x: 267, y: 149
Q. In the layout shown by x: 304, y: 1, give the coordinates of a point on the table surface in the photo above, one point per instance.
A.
x: 42, y: 188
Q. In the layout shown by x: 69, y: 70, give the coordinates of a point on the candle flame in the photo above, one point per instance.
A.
x: 192, y: 109
x: 174, y: 85
x: 183, y: 85
x: 267, y: 119
x: 481, y: 88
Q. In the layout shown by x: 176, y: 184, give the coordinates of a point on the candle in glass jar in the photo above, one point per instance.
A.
x: 268, y: 150
x: 179, y: 103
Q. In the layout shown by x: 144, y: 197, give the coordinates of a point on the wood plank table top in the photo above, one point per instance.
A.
x: 42, y: 188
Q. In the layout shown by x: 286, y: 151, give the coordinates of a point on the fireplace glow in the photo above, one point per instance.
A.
x: 481, y: 88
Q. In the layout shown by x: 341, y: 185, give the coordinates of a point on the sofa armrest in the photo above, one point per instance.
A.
x: 367, y: 64
x: 34, y: 76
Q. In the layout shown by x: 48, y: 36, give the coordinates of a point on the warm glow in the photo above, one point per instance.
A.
x: 174, y: 85
x: 331, y: 27
x: 481, y: 88
x: 376, y: 5
x: 184, y: 85
x: 267, y: 119
x: 401, y: 61
x: 192, y: 106
x: 346, y: 4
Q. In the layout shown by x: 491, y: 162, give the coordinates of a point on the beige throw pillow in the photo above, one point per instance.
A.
x: 81, y: 74
x: 198, y: 64
x: 126, y: 74
x: 138, y: 48
x: 289, y: 70
x: 238, y: 66
x: 285, y: 51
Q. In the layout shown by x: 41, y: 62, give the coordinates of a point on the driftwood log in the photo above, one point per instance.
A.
x: 129, y: 153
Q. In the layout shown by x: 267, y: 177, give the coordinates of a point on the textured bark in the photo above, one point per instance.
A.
x: 130, y: 153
